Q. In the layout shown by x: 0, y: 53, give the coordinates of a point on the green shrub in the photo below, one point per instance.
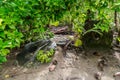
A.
x: 45, y: 56
x: 27, y: 20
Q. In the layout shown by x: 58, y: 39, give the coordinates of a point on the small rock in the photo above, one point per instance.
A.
x: 117, y: 55
x: 100, y: 66
x: 25, y: 70
x: 7, y: 76
x: 116, y: 74
x: 102, y: 62
x: 13, y: 68
x: 54, y: 62
x: 96, y: 53
x: 52, y: 68
x: 98, y: 75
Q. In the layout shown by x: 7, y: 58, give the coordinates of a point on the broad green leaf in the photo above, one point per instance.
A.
x: 2, y: 59
x: 78, y: 43
x: 4, y: 52
x: 118, y: 39
x: 2, y: 35
x: 1, y: 20
x: 12, y: 27
x: 116, y: 7
x: 56, y: 23
x: 7, y: 44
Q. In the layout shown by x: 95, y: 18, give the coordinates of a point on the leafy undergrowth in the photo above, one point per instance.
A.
x: 45, y: 56
x: 28, y: 20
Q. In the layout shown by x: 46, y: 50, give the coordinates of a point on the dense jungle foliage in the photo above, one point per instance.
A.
x: 28, y: 20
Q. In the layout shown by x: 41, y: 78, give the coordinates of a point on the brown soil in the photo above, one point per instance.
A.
x: 75, y: 66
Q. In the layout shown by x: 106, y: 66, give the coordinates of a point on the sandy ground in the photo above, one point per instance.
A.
x: 82, y: 66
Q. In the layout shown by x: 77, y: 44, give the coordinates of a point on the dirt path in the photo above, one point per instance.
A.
x: 76, y: 66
